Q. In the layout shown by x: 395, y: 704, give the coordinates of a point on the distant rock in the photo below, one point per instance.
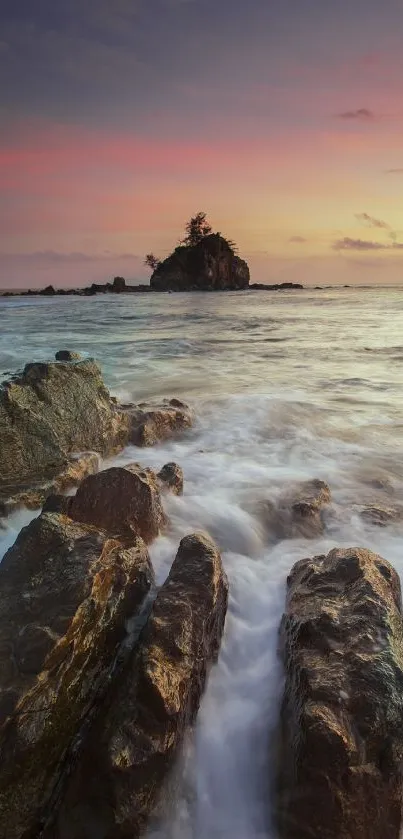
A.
x: 341, y: 734
x: 151, y: 424
x: 128, y: 754
x: 123, y: 500
x: 119, y: 285
x: 211, y: 265
x: 67, y: 592
x: 49, y: 291
x: 275, y: 287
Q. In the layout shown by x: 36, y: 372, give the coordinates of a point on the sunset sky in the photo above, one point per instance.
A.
x: 282, y: 119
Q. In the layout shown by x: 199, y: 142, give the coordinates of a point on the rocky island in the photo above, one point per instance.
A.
x: 203, y: 261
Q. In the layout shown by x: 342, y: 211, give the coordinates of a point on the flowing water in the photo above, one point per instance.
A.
x: 286, y: 387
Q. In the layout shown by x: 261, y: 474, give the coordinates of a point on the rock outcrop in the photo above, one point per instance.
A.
x: 50, y: 411
x: 67, y: 591
x: 151, y: 424
x: 123, y: 500
x: 134, y: 742
x: 54, y: 413
x: 299, y: 512
x: 341, y: 735
x: 211, y: 265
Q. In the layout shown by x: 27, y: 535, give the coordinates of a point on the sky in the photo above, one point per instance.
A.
x: 281, y: 119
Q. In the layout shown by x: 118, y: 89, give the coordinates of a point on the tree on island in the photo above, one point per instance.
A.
x: 152, y: 261
x: 196, y: 229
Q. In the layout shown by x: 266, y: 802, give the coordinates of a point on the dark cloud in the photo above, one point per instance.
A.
x: 394, y: 171
x: 348, y: 244
x: 297, y: 240
x: 373, y: 222
x: 362, y: 114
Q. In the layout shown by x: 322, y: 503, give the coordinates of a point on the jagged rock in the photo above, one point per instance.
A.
x: 151, y: 424
x: 299, y: 511
x: 67, y: 355
x: 341, y: 733
x: 171, y: 477
x: 50, y: 411
x: 135, y: 740
x: 67, y: 591
x: 122, y: 500
x: 209, y: 265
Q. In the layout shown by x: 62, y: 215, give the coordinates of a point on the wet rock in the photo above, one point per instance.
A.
x: 50, y: 411
x: 56, y: 504
x: 151, y: 424
x: 67, y: 355
x: 298, y: 513
x: 134, y: 742
x: 171, y: 477
x: 381, y: 516
x: 33, y: 497
x: 67, y: 591
x: 341, y: 734
x: 122, y: 500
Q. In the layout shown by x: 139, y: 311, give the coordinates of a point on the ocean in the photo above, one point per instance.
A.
x: 286, y: 386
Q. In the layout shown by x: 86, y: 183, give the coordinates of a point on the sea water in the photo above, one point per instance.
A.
x: 286, y: 387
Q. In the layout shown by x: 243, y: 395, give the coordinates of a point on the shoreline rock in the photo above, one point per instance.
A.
x: 341, y: 731
x: 122, y: 500
x: 67, y: 591
x: 120, y: 774
x: 57, y: 419
x: 151, y: 424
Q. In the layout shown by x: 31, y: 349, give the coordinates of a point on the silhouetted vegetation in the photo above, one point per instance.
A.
x: 196, y: 229
x: 152, y: 261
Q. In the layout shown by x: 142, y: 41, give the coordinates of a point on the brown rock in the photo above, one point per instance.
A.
x: 32, y: 497
x: 171, y: 477
x: 57, y: 504
x: 122, y: 500
x: 341, y: 737
x: 381, y: 516
x: 299, y: 512
x: 133, y: 744
x: 67, y: 591
x: 150, y: 424
x: 49, y: 412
